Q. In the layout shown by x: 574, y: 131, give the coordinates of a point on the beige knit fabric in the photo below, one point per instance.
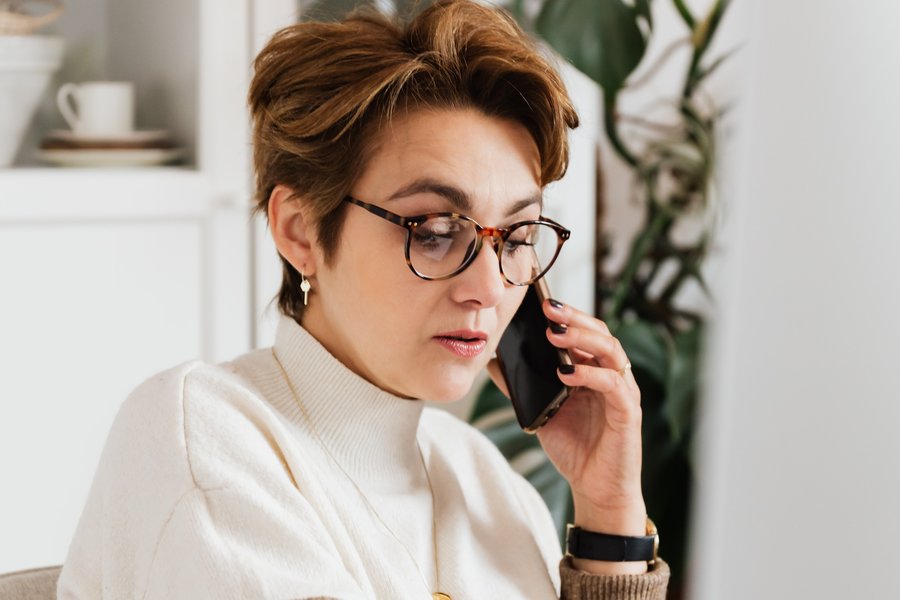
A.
x: 33, y: 584
x: 578, y: 585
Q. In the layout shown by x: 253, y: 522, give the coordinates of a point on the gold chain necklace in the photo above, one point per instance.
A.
x: 321, y: 442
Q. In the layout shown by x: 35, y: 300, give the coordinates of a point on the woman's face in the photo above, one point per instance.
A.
x: 376, y: 316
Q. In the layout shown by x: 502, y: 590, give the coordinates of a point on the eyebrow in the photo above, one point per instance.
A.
x: 457, y: 197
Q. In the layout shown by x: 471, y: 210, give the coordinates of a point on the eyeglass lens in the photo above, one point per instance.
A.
x: 440, y: 245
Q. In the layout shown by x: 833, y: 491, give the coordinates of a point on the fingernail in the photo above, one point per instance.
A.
x: 555, y: 303
x: 566, y: 369
x: 558, y: 327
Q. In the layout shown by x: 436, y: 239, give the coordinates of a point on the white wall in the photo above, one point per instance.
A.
x: 801, y: 471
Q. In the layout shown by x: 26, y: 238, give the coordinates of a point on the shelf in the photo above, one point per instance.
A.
x: 63, y: 195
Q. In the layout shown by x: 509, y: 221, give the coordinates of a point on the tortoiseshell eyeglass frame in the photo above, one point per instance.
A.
x: 498, y: 234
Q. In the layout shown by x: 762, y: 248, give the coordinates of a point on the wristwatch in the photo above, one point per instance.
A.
x: 581, y: 543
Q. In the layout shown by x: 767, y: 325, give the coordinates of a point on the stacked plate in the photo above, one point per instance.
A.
x: 135, y: 149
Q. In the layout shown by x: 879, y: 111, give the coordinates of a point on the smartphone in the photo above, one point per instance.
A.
x: 529, y: 361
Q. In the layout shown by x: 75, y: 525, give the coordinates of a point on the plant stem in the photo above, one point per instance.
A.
x: 649, y: 73
x: 711, y: 23
x: 612, y: 131
x: 658, y: 220
x: 686, y: 15
x: 684, y: 271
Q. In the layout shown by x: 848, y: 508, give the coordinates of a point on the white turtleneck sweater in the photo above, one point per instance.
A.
x: 214, y: 484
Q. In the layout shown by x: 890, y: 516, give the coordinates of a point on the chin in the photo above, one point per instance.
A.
x: 450, y: 386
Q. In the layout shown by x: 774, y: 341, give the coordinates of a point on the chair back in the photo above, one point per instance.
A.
x: 33, y: 584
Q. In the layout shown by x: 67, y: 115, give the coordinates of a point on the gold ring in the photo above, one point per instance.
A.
x: 627, y: 367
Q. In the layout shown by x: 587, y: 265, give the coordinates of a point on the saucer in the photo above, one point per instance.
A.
x: 111, y: 158
x: 132, y: 137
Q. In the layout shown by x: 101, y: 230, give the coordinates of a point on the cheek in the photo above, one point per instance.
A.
x: 369, y: 262
x: 382, y: 298
x: 511, y: 304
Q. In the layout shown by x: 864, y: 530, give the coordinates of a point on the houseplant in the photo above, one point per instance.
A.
x: 27, y: 62
x: 672, y: 164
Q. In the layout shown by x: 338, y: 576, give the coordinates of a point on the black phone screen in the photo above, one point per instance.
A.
x: 529, y: 361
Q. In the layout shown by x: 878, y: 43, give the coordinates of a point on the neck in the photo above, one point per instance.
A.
x: 370, y: 432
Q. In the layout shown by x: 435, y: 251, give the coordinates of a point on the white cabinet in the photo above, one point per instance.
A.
x: 110, y: 275
x: 89, y: 311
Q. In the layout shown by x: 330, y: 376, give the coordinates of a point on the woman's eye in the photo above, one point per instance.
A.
x: 514, y: 246
x: 439, y: 229
x: 431, y: 239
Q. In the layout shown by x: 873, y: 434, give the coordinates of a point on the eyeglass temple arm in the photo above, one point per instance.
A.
x: 378, y: 211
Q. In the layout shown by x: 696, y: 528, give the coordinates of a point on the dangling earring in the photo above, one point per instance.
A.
x: 305, y: 286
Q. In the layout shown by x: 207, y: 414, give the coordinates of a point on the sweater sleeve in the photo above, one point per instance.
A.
x: 578, y: 585
x: 227, y: 543
x: 193, y: 499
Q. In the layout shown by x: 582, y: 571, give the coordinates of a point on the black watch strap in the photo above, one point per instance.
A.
x: 582, y: 543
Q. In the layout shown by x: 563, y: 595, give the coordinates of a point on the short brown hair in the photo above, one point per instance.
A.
x: 322, y: 91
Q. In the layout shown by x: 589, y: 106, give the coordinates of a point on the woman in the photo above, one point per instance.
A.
x: 311, y: 469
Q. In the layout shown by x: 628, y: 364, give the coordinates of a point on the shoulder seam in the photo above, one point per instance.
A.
x: 184, y: 426
x: 162, y: 533
x: 165, y: 526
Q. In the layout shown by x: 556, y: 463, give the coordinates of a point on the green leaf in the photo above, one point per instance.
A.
x: 489, y: 400
x: 557, y: 495
x: 646, y: 347
x: 510, y: 439
x: 684, y: 156
x: 493, y: 416
x: 701, y: 281
x: 681, y: 383
x: 517, y: 9
x: 703, y: 73
x: 332, y: 10
x: 706, y: 29
x: 601, y: 38
x: 685, y: 13
x: 408, y: 9
x: 642, y: 7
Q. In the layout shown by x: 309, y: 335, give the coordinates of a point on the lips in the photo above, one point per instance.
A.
x: 463, y: 334
x: 464, y: 343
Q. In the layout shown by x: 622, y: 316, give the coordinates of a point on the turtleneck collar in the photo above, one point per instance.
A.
x: 371, y: 432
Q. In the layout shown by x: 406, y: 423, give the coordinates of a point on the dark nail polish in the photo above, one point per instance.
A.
x: 566, y: 369
x: 555, y: 303
x: 558, y: 328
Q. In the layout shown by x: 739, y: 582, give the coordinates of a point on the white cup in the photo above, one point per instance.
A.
x: 102, y: 108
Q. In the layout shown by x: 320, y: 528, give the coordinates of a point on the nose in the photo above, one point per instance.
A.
x: 481, y: 282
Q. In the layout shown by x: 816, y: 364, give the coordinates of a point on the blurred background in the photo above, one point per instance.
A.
x: 734, y: 207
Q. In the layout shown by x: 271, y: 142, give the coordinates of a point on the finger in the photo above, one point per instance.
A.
x: 622, y: 401
x: 563, y: 313
x: 496, y: 375
x: 581, y: 357
x: 606, y: 349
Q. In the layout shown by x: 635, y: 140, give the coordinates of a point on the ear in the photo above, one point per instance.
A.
x: 292, y: 233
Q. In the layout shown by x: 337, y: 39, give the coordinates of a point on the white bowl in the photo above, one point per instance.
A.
x: 27, y: 62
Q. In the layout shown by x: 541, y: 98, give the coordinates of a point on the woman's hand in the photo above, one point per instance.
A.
x: 595, y: 439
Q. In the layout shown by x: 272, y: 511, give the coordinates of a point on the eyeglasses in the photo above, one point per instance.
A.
x: 441, y: 245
